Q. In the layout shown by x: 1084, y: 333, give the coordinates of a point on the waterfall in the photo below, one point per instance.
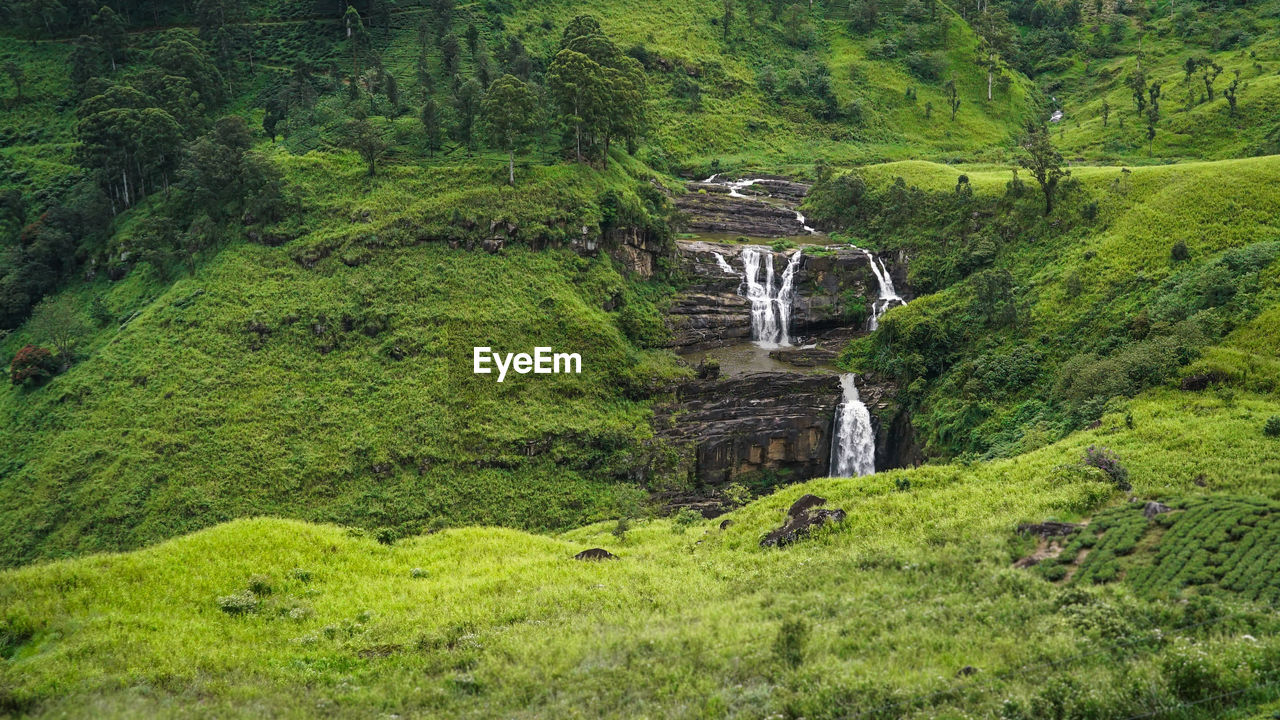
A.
x: 888, y: 295
x: 724, y: 264
x: 770, y: 305
x: 853, y: 441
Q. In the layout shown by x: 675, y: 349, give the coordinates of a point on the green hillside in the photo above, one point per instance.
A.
x: 690, y: 621
x: 247, y: 249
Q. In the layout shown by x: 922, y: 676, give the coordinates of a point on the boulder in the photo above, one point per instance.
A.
x: 595, y: 554
x: 1153, y: 508
x: 804, y: 516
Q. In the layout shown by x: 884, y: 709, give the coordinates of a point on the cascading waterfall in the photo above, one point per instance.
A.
x: 770, y: 304
x: 888, y: 294
x: 853, y: 440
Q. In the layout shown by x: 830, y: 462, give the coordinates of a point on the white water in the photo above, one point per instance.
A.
x: 770, y: 302
x: 724, y: 264
x: 853, y: 441
x: 888, y: 294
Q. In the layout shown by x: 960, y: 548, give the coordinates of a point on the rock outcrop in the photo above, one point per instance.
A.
x: 834, y: 288
x: 767, y: 211
x: 729, y: 429
x: 805, y: 516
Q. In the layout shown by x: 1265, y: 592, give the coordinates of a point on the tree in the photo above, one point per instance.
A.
x: 1230, y: 94
x: 472, y: 34
x: 366, y: 140
x: 358, y: 38
x: 128, y: 141
x: 32, y: 365
x: 217, y: 173
x: 1106, y: 112
x: 181, y: 54
x: 600, y: 90
x: 1137, y: 83
x: 449, y: 53
x: 726, y: 18
x: 432, y: 125
x: 1211, y: 72
x: 577, y: 83
x: 1153, y: 112
x: 953, y: 99
x: 995, y: 40
x: 18, y: 75
x: 1044, y: 161
x: 466, y: 105
x: 58, y: 322
x: 509, y: 117
x: 109, y: 33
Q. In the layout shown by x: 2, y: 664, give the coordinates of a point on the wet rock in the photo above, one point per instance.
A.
x: 1153, y: 508
x: 729, y: 427
x: 805, y: 516
x: 595, y: 554
x: 831, y: 292
x: 725, y: 525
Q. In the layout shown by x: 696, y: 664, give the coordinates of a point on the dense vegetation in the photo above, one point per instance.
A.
x: 246, y: 249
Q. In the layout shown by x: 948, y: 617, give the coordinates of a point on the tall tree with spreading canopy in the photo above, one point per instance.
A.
x: 600, y: 90
x: 509, y: 112
x: 1044, y: 162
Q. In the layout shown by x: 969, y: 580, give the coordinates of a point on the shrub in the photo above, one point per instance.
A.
x: 1179, y: 252
x: 32, y: 365
x: 260, y: 585
x: 927, y: 66
x: 1272, y: 426
x: 686, y: 518
x: 417, y: 573
x: 1109, y: 463
x: 789, y: 646
x: 300, y: 574
x: 241, y: 603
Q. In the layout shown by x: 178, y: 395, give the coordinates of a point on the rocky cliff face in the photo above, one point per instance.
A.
x: 834, y: 287
x: 765, y: 211
x: 737, y: 428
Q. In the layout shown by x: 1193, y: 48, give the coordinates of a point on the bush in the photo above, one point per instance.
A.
x: 241, y: 603
x: 260, y: 585
x: 1272, y: 426
x: 1179, y: 252
x: 32, y: 365
x: 686, y: 518
x: 1109, y: 463
x: 927, y: 66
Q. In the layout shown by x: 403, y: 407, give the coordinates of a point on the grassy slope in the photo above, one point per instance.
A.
x: 176, y: 422
x: 1205, y: 131
x: 216, y: 430
x: 495, y: 623
x: 1118, y: 262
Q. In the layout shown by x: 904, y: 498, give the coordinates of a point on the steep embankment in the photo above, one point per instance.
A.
x: 331, y: 379
x: 881, y: 615
x: 1035, y: 326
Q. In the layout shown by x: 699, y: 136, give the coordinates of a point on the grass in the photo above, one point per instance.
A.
x: 494, y: 622
x: 344, y: 393
x: 1081, y: 282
